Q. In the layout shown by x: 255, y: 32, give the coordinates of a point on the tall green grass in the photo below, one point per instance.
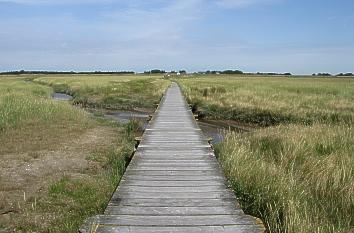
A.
x: 23, y: 103
x: 19, y: 109
x: 297, y: 179
x: 297, y: 174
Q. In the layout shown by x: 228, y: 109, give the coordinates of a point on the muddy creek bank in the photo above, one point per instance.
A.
x: 212, y: 129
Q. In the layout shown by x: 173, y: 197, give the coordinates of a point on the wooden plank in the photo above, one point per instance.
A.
x: 183, y: 229
x: 177, y: 150
x: 202, y: 220
x: 146, y: 189
x: 152, y: 183
x: 173, y: 165
x: 200, y: 195
x: 170, y: 173
x: 171, y: 146
x: 172, y: 168
x: 175, y: 178
x: 177, y: 161
x: 176, y: 202
x: 172, y: 211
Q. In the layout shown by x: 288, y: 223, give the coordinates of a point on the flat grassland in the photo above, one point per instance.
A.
x: 296, y: 170
x: 58, y: 163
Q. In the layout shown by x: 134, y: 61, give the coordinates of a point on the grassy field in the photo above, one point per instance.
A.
x: 297, y: 173
x: 109, y: 91
x: 23, y: 103
x: 272, y: 100
x: 58, y: 163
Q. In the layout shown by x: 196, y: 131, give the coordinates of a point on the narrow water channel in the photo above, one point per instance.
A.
x: 214, y: 130
x: 210, y: 130
x: 62, y: 96
x: 124, y: 117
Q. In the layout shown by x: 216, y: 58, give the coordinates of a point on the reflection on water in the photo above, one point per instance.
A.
x: 126, y: 116
x: 214, y: 130
x: 62, y: 96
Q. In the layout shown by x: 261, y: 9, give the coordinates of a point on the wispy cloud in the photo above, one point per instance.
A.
x: 242, y: 3
x: 138, y: 3
x: 55, y: 2
x: 133, y: 35
x: 168, y: 34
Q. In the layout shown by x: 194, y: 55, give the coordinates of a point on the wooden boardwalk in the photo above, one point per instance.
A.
x: 173, y: 183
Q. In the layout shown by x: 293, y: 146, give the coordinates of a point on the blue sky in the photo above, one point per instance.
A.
x: 298, y: 36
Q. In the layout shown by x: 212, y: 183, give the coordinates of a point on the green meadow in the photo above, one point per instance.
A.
x: 295, y: 169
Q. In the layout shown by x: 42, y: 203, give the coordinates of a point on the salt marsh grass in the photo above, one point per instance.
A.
x: 297, y: 173
x: 297, y: 179
x: 272, y: 100
x: 26, y: 103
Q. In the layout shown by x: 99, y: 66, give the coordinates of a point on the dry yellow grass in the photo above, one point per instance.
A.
x: 109, y: 91
x: 272, y: 100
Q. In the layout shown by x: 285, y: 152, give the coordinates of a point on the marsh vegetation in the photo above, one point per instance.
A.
x: 292, y: 167
x: 59, y: 163
x: 295, y: 171
x: 109, y: 91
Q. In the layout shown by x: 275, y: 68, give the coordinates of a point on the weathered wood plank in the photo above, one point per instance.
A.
x: 183, y: 229
x: 176, y: 202
x: 175, y: 161
x: 172, y: 211
x: 170, y: 173
x: 175, y: 178
x: 201, y: 195
x: 202, y: 220
x: 147, y: 189
x: 173, y: 168
x: 152, y: 183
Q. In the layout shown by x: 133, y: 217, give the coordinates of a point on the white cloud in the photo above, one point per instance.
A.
x: 132, y: 37
x: 55, y: 2
x: 242, y: 3
x: 142, y: 34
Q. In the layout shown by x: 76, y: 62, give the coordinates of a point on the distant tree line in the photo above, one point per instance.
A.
x: 286, y: 74
x: 339, y: 75
x: 64, y: 72
x: 345, y: 74
x: 322, y: 74
x: 158, y: 71
x: 221, y: 72
x: 155, y: 71
x: 238, y: 72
